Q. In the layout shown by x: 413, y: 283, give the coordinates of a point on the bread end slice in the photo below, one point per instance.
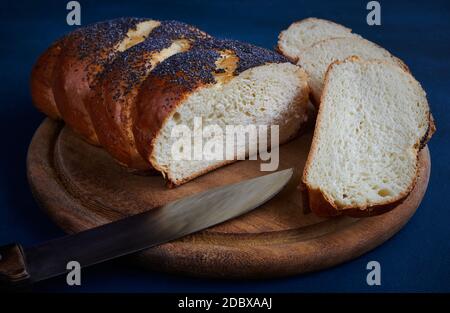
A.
x: 41, y: 80
x: 373, y: 120
x: 304, y: 33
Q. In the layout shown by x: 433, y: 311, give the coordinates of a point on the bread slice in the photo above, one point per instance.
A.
x: 316, y: 59
x: 303, y: 34
x: 373, y: 120
x: 85, y: 54
x: 41, y: 80
x: 231, y: 83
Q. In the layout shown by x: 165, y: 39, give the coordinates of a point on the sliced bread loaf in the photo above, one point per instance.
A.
x: 316, y: 59
x: 303, y: 34
x: 373, y: 120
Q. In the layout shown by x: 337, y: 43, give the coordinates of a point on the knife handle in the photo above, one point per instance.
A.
x: 13, y: 269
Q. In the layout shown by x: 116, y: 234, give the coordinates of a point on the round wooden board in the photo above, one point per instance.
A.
x: 80, y: 187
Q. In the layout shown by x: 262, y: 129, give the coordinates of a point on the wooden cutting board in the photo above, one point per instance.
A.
x: 80, y: 187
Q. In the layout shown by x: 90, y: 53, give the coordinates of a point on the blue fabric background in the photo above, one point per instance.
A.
x: 416, y: 259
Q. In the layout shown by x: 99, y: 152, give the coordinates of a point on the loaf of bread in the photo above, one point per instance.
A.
x: 373, y: 120
x: 124, y: 84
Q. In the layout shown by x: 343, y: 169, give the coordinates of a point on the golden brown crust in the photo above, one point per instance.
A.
x: 430, y: 131
x: 323, y: 205
x: 41, y: 80
x: 280, y: 50
x: 315, y: 100
x: 70, y: 87
x: 319, y: 204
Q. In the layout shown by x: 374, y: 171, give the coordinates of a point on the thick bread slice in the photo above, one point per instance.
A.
x: 85, y: 53
x: 373, y: 120
x: 303, y: 34
x: 316, y: 59
x: 233, y: 84
x: 117, y: 87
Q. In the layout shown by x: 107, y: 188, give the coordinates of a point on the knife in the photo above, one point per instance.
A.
x: 20, y: 265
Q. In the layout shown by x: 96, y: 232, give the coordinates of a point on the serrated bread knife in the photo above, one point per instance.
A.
x: 177, y: 219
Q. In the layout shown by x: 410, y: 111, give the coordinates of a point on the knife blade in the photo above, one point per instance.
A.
x: 140, y: 231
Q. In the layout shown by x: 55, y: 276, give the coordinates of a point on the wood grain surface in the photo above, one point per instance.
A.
x: 80, y: 186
